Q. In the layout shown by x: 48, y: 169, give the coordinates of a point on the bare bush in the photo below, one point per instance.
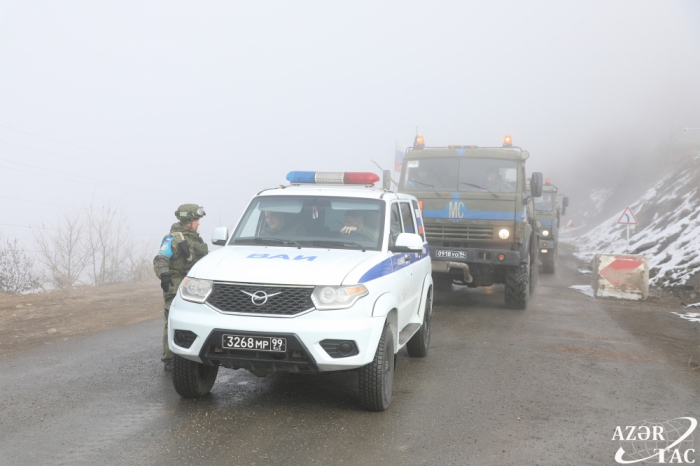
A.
x: 138, y: 263
x: 93, y: 245
x: 105, y: 236
x: 16, y: 269
x: 62, y: 250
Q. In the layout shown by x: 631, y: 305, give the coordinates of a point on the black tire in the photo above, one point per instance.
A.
x: 377, y: 378
x: 442, y: 282
x: 419, y: 343
x: 549, y: 262
x: 192, y: 379
x: 534, y: 271
x: 518, y: 285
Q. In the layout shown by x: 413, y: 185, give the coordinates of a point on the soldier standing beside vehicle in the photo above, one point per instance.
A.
x: 179, y: 251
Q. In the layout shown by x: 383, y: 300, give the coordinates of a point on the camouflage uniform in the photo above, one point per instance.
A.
x: 172, y: 259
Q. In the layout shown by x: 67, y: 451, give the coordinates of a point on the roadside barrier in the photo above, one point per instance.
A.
x: 623, y: 276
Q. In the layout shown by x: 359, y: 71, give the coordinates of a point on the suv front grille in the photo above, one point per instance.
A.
x: 456, y: 232
x: 281, y: 300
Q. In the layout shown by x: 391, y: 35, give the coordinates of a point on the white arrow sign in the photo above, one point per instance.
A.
x: 627, y: 218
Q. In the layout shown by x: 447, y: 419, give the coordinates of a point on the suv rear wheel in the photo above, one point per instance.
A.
x: 377, y: 378
x: 419, y: 343
x: 192, y: 379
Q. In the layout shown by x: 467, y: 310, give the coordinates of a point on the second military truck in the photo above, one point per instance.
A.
x: 549, y: 208
x: 478, y: 217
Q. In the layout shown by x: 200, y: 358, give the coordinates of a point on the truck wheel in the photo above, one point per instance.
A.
x: 549, y: 262
x: 192, y: 379
x: 518, y: 285
x: 442, y: 282
x: 534, y: 271
x: 419, y: 343
x: 377, y: 378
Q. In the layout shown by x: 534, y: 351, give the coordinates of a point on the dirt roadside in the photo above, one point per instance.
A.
x: 39, y: 319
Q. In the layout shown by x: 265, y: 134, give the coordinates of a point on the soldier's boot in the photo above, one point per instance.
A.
x: 167, y: 357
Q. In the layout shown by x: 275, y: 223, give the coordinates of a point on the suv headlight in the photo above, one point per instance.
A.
x: 327, y: 298
x: 545, y: 232
x: 504, y: 233
x: 195, y: 290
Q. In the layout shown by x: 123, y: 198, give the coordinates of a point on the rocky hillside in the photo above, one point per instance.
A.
x: 668, y: 232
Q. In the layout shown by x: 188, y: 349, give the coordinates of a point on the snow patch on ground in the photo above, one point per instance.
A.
x: 585, y: 289
x: 584, y: 271
x: 691, y: 316
x: 668, y: 232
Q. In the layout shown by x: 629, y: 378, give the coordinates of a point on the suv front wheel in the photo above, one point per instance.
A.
x: 377, y: 378
x: 192, y: 379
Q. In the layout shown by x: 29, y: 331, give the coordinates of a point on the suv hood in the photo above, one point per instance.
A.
x: 279, y: 265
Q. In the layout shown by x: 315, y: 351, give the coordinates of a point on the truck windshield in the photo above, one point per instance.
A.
x: 461, y: 174
x: 544, y: 202
x: 315, y: 222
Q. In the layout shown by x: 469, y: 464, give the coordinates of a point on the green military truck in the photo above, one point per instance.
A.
x: 549, y: 207
x: 478, y: 217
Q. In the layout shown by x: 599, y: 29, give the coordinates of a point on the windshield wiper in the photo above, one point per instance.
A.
x: 480, y: 187
x: 318, y: 242
x: 259, y: 240
x: 426, y: 184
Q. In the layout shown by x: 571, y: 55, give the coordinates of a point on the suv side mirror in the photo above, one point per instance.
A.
x: 220, y: 236
x: 536, y: 184
x: 408, y: 242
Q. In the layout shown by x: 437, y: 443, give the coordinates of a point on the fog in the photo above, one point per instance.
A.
x: 155, y: 104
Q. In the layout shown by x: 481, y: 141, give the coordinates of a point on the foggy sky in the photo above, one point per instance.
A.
x: 165, y: 103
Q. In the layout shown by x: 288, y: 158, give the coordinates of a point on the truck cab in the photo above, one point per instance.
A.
x: 478, y: 217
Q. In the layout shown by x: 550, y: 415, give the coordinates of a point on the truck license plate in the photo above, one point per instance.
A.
x: 451, y: 254
x: 242, y: 342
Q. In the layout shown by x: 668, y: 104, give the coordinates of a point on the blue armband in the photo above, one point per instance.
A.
x: 166, y: 249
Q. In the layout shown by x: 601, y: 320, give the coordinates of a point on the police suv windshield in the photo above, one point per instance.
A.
x: 545, y: 202
x: 309, y: 221
x: 461, y: 174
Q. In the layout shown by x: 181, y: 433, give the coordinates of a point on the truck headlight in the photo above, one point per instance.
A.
x: 545, y: 232
x: 326, y: 298
x: 195, y: 290
x: 504, y: 233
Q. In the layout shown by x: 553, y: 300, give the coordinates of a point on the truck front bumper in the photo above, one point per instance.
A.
x: 440, y: 256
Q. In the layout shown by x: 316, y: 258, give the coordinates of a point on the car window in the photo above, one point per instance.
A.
x: 409, y: 225
x: 419, y: 215
x: 395, y: 227
x: 312, y: 221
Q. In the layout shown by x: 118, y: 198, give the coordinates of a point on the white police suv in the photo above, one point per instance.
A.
x: 328, y: 273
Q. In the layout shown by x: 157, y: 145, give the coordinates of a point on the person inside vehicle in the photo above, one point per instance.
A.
x: 355, y: 225
x: 280, y: 224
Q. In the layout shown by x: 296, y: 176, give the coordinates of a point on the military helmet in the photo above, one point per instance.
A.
x: 188, y: 213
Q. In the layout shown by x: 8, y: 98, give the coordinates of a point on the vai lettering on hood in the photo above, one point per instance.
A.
x: 657, y: 441
x: 281, y: 256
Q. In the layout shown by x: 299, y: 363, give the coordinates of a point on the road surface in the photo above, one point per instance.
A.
x: 543, y: 386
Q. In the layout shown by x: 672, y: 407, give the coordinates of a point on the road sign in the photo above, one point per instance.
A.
x: 627, y: 218
x: 570, y: 224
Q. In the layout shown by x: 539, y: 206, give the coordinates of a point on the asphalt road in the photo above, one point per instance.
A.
x: 542, y: 386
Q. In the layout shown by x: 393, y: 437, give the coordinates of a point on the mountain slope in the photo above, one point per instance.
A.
x: 668, y: 232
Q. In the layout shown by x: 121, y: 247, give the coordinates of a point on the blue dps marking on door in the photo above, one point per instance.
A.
x: 281, y: 256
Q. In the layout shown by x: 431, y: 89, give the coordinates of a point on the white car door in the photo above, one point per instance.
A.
x: 413, y: 264
x: 399, y: 261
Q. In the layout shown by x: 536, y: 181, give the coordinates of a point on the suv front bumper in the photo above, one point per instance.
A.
x: 304, y: 335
